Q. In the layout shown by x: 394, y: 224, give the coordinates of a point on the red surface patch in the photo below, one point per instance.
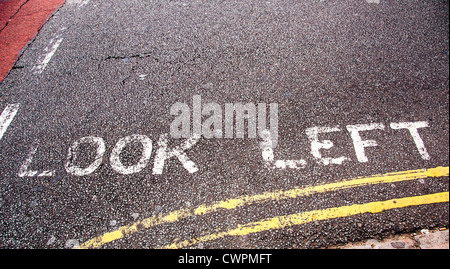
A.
x: 20, y: 20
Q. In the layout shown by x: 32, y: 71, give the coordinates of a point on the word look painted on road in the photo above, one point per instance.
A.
x: 181, y: 129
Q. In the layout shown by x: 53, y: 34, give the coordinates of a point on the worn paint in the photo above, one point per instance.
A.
x: 259, y: 198
x: 281, y: 222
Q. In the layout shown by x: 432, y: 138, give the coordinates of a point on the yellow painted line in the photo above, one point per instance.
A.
x: 260, y: 198
x: 281, y: 222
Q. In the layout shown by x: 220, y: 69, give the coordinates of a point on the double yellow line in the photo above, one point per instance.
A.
x: 288, y: 220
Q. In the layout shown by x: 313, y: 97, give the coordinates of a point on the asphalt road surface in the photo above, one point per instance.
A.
x: 345, y: 136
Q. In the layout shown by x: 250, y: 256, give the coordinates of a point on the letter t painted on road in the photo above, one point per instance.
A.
x: 412, y: 128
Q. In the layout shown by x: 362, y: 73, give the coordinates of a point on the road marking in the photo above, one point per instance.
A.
x: 115, y: 161
x: 316, y: 145
x: 360, y: 144
x: 50, y: 49
x: 163, y: 154
x: 79, y: 3
x: 281, y: 222
x: 99, y: 144
x: 267, y: 146
x: 24, y: 168
x: 412, y: 128
x: 84, y: 2
x: 7, y: 116
x: 260, y: 198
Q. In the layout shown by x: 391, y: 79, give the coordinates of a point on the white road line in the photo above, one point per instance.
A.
x: 78, y: 3
x: 83, y: 3
x: 7, y: 116
x: 50, y: 49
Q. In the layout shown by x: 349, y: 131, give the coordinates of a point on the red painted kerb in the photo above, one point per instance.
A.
x: 20, y: 20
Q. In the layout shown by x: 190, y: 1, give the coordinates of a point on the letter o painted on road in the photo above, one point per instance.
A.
x: 73, y: 169
x: 117, y: 164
